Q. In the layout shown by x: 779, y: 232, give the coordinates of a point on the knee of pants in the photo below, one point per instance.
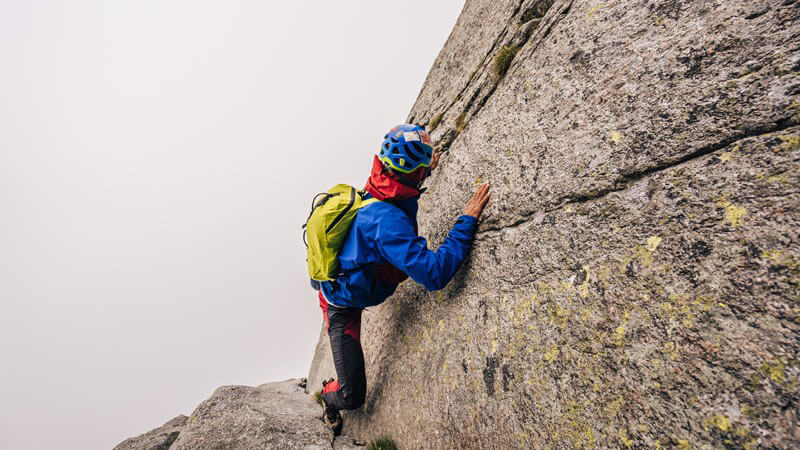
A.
x: 354, y: 400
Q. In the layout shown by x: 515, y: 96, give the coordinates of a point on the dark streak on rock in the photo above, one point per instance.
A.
x: 488, y: 373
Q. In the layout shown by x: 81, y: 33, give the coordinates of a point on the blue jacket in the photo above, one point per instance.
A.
x: 383, y: 235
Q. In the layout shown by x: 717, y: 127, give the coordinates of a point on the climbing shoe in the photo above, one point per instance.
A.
x: 332, y: 418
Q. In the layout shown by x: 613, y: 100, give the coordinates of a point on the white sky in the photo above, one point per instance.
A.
x: 157, y: 159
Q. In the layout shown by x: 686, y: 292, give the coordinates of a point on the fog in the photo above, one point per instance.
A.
x: 157, y: 159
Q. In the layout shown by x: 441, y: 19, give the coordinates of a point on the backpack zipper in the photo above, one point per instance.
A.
x: 341, y: 214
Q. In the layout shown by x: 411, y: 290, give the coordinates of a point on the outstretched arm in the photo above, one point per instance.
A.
x: 399, y: 244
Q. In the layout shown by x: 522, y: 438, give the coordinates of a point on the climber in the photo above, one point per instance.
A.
x: 381, y: 250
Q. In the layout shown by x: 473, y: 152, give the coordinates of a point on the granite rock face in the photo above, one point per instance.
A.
x: 635, y: 280
x: 158, y: 439
x: 274, y: 416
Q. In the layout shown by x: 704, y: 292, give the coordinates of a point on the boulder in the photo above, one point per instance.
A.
x: 158, y: 439
x: 274, y: 416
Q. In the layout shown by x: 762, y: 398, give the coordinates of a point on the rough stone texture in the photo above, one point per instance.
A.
x: 323, y: 363
x: 271, y: 416
x: 635, y: 280
x: 158, y: 439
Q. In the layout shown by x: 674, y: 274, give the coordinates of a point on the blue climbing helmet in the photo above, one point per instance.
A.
x: 406, y: 148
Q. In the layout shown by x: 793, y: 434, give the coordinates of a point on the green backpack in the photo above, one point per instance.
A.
x: 327, y: 226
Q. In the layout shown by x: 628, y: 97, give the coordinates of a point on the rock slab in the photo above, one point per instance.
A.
x: 635, y: 282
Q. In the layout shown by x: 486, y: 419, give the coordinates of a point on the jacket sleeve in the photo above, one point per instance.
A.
x: 399, y: 244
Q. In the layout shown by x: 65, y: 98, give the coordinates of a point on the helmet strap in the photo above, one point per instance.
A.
x: 405, y: 181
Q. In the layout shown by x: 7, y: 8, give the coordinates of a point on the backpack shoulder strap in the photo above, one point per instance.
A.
x: 363, y: 193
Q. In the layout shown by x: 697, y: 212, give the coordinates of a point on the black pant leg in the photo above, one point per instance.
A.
x: 348, y: 357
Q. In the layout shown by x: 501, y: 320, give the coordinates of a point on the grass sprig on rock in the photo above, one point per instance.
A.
x: 382, y: 443
x: 502, y: 61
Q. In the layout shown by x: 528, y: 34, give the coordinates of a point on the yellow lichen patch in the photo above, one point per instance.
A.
x: 683, y: 444
x: 721, y: 422
x: 789, y: 142
x: 774, y: 370
x: 656, y: 363
x: 593, y: 10
x: 725, y: 157
x: 603, y: 275
x: 615, y: 407
x: 782, y: 178
x: 624, y: 439
x: 642, y: 254
x: 588, y: 436
x: 734, y: 215
x: 559, y: 316
x: 619, y: 335
x: 552, y: 353
x: 795, y: 108
x: 673, y: 349
x: 703, y: 302
x: 616, y: 137
x: 772, y: 255
x: 652, y: 243
x: 570, y: 429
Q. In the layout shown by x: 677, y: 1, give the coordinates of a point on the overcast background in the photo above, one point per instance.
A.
x: 157, y: 159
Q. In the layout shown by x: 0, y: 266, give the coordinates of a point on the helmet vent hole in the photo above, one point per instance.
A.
x: 416, y: 152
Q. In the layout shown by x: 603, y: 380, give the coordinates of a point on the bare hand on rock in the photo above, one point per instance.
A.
x: 478, y: 201
x: 437, y: 153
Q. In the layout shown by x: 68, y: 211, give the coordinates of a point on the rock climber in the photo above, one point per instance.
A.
x: 381, y: 250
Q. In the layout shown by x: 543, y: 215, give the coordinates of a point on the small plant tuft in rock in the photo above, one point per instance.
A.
x: 435, y: 122
x: 461, y: 122
x: 382, y: 443
x: 502, y: 61
x: 317, y: 396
